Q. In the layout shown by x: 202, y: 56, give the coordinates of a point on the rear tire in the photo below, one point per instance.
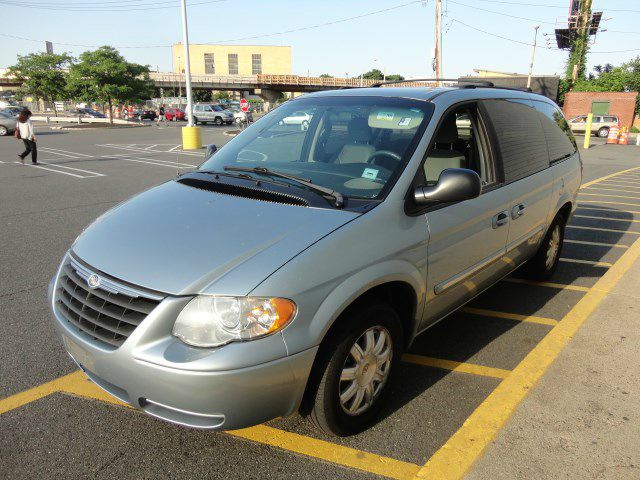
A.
x: 218, y: 121
x: 543, y: 265
x: 344, y: 395
x: 3, y: 131
x: 603, y: 132
x: 195, y: 121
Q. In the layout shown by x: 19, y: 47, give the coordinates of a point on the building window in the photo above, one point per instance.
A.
x: 233, y: 64
x: 209, y: 64
x: 256, y: 64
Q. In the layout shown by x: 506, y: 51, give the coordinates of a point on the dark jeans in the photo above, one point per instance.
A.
x: 30, y: 148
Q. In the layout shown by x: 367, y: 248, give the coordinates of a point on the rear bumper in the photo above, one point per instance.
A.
x: 231, y: 387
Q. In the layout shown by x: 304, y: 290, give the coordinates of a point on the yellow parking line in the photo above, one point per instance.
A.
x: 597, y: 244
x: 586, y: 262
x: 35, y: 393
x: 580, y: 227
x: 581, y: 206
x: 611, y: 203
x: 620, y: 183
x: 330, y: 452
x: 454, y: 366
x: 510, y: 316
x: 559, y: 286
x: 592, y: 182
x: 459, y: 453
x: 608, y: 218
x: 623, y: 189
x: 607, y: 195
x: 79, y: 385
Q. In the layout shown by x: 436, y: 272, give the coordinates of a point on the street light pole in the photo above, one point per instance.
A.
x: 187, y: 66
x: 533, y: 54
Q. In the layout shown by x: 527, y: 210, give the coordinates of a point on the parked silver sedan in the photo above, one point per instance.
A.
x: 7, y: 124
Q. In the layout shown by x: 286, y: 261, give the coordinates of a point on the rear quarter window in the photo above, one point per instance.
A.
x: 560, y: 140
x: 521, y: 142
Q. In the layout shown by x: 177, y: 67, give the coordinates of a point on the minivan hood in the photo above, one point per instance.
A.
x: 181, y: 240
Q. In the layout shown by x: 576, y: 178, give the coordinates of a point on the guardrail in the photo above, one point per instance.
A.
x: 68, y: 119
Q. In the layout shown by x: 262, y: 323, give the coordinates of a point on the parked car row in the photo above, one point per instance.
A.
x: 7, y: 123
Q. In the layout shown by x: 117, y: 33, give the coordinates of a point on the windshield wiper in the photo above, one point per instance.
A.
x: 337, y: 196
x: 224, y: 174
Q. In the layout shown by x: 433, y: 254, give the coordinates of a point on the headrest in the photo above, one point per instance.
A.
x: 448, y: 132
x: 359, y: 129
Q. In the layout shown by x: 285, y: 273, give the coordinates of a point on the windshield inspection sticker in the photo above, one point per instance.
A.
x: 404, y: 122
x: 370, y: 173
x: 385, y: 116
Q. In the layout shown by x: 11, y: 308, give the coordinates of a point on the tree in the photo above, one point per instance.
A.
x: 201, y: 95
x: 374, y: 74
x: 43, y: 75
x: 326, y: 75
x: 625, y: 78
x: 105, y: 75
x: 221, y: 95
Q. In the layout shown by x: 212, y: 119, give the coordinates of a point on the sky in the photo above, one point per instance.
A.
x: 396, y: 36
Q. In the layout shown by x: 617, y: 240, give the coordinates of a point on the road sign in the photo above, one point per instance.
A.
x: 244, y: 105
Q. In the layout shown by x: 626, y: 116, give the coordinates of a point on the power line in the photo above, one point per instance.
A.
x: 503, y: 14
x: 250, y: 37
x: 114, y: 9
x: 545, y: 5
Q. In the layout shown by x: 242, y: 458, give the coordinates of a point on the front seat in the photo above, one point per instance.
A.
x: 358, y: 149
x: 443, y: 155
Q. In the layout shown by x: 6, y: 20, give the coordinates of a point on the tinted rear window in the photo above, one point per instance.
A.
x: 521, y: 141
x: 556, y: 130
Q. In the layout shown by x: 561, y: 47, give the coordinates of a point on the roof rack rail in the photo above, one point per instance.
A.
x: 460, y: 81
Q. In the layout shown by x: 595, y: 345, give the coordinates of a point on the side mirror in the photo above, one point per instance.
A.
x: 211, y: 149
x: 454, y: 185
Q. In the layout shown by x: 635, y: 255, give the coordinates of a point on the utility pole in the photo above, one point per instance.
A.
x: 579, y: 48
x: 187, y: 66
x: 533, y: 54
x: 438, y: 53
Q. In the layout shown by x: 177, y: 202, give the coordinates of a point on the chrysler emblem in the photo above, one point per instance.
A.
x: 93, y: 281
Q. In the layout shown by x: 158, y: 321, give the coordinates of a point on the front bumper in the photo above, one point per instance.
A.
x: 235, y: 386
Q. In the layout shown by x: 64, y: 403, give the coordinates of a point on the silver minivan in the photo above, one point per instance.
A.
x: 290, y: 270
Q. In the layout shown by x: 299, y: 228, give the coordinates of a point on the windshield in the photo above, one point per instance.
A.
x: 354, y: 145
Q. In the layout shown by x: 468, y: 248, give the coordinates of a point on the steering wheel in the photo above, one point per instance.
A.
x: 385, y: 153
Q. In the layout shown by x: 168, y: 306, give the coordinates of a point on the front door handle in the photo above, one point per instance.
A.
x: 517, y: 211
x: 500, y: 219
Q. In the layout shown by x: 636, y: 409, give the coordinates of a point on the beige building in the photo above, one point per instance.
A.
x: 234, y: 59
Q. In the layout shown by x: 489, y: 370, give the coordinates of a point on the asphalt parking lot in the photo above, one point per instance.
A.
x: 54, y: 423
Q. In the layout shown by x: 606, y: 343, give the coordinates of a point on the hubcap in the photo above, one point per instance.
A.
x: 365, y: 371
x: 553, y: 247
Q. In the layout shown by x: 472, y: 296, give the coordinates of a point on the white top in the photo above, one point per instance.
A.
x: 26, y: 130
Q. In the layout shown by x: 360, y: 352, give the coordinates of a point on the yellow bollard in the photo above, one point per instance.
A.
x: 587, y: 131
x: 191, y: 138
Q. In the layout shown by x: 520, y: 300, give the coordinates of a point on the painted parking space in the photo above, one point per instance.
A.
x: 485, y: 356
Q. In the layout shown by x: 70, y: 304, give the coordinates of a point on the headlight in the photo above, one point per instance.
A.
x: 209, y: 321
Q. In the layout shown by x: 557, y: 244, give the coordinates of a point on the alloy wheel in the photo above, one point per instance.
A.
x: 365, y: 370
x: 553, y: 247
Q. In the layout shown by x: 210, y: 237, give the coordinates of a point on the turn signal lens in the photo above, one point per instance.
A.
x: 209, y: 321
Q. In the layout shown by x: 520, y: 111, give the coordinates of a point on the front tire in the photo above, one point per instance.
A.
x: 3, y: 131
x: 218, y: 121
x: 349, y: 382
x: 603, y: 132
x: 543, y: 265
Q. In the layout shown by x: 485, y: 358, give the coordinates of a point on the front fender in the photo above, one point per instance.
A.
x: 310, y: 332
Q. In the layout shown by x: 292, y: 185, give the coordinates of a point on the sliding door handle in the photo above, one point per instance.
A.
x: 500, y: 219
x: 517, y: 211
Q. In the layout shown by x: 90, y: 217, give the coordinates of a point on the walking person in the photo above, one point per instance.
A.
x: 161, y: 117
x: 25, y: 132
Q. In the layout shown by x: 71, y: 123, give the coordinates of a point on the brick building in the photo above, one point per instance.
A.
x: 622, y: 104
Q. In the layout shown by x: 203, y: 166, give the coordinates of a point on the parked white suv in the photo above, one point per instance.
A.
x: 211, y: 113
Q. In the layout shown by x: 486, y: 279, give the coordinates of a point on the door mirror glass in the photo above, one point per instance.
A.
x: 454, y: 185
x: 211, y: 149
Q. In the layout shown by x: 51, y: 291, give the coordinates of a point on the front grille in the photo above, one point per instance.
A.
x: 108, y: 313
